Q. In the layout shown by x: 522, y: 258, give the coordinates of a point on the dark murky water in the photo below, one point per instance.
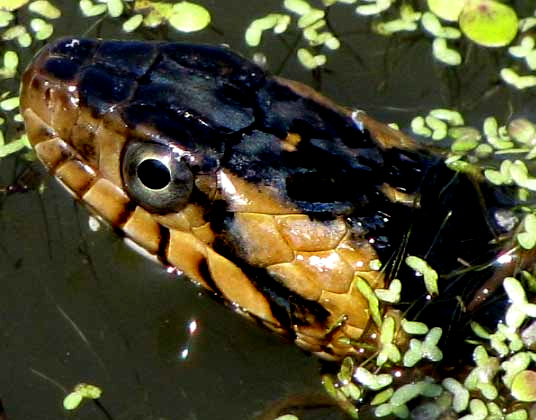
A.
x: 79, y: 306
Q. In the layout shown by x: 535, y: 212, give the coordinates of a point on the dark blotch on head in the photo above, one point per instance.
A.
x: 406, y: 169
x: 316, y: 187
x: 101, y: 89
x: 133, y: 58
x: 74, y: 48
x: 62, y: 68
x: 215, y: 62
x: 176, y: 88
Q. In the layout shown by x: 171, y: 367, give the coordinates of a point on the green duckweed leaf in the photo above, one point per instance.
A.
x: 488, y: 23
x: 448, y: 10
x: 524, y: 386
x: 10, y: 5
x: 189, y: 17
x: 72, y: 401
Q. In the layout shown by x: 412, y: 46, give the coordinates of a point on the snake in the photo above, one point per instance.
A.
x: 284, y: 205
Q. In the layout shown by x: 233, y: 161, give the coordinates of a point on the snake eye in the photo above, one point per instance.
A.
x: 156, y: 177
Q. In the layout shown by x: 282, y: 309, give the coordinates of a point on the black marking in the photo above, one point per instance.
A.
x: 65, y: 156
x: 288, y: 307
x: 452, y: 224
x: 163, y: 245
x: 215, y: 62
x: 128, y: 209
x: 101, y: 90
x: 131, y: 58
x: 175, y: 88
x: 77, y: 49
x: 92, y: 180
x: 285, y: 111
x: 218, y: 215
x: 406, y: 169
x: 62, y: 68
x: 204, y: 270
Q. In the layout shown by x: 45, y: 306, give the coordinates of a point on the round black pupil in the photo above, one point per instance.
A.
x: 153, y: 174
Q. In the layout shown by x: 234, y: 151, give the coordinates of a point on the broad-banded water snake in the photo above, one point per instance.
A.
x: 261, y: 190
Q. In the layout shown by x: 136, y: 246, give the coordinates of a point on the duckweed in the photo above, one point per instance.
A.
x: 312, y: 17
x: 81, y: 391
x: 132, y: 23
x: 445, y: 54
x: 11, y: 5
x: 512, y: 366
x: 372, y: 381
x: 393, y: 26
x: 5, y: 18
x: 426, y: 349
x: 89, y: 9
x: 516, y: 364
x: 392, y: 294
x: 511, y: 77
x: 524, y: 386
x: 88, y: 391
x: 300, y: 7
x: 522, y: 131
x: 276, y: 21
x: 9, y: 104
x: 460, y: 400
x: 448, y: 115
x: 13, y: 33
x: 189, y: 17
x: 429, y: 274
x: 523, y: 49
x: 115, y: 8
x: 43, y: 29
x: 418, y: 126
x: 373, y: 302
x: 72, y: 401
x: 446, y: 10
x: 407, y: 22
x: 432, y: 24
x: 489, y: 23
x: 45, y: 9
x: 414, y: 327
x: 14, y: 145
x: 388, y: 350
x: 310, y: 61
x: 374, y: 8
x: 11, y: 62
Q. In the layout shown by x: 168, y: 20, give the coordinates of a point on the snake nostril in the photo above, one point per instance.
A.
x: 154, y: 174
x: 35, y: 84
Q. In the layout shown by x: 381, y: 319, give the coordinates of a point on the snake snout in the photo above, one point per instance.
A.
x: 49, y: 94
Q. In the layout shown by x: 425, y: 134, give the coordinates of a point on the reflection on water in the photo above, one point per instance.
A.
x: 80, y: 306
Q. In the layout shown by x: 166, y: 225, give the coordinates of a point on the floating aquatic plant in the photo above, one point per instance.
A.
x: 45, y: 9
x: 488, y: 23
x: 310, y: 21
x: 494, y: 372
x: 183, y: 16
x: 81, y: 391
x: 11, y: 5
